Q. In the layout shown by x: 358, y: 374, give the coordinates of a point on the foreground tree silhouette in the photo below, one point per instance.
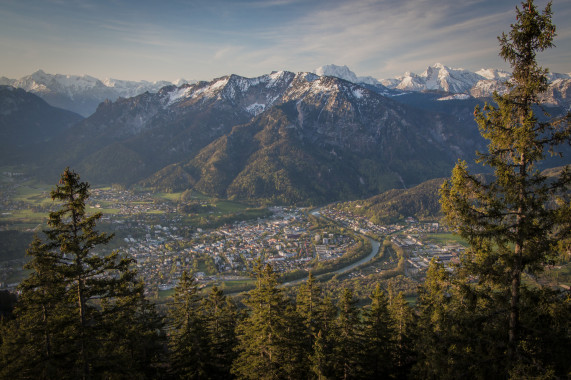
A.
x: 512, y: 221
x: 270, y: 338
x: 71, y: 316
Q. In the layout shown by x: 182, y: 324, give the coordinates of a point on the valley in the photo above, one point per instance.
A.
x: 218, y: 240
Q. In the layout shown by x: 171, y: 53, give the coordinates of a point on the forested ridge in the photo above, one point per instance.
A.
x: 84, y: 316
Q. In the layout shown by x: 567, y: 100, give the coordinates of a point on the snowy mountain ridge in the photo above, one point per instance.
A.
x: 82, y: 93
x: 438, y: 77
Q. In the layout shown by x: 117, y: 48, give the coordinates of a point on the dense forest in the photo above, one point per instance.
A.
x: 80, y: 315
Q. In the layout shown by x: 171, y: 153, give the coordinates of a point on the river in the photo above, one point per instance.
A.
x: 374, y: 250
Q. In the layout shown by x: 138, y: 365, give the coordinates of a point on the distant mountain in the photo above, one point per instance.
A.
x: 480, y: 84
x: 81, y: 94
x: 343, y: 72
x: 27, y: 123
x: 437, y: 77
x: 281, y: 137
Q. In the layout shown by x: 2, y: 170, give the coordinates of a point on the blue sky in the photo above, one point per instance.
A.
x: 204, y: 39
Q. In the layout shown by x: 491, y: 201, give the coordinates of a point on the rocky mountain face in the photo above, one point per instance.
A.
x: 81, y: 94
x: 480, y: 84
x: 27, y: 123
x: 281, y: 137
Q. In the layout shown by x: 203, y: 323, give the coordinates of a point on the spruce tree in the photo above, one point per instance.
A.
x: 347, y: 350
x: 458, y: 328
x: 220, y: 317
x: 377, y: 336
x: 403, y: 326
x: 322, y: 360
x: 69, y: 305
x: 268, y: 341
x: 188, y: 340
x: 32, y: 345
x: 307, y: 306
x: 513, y: 220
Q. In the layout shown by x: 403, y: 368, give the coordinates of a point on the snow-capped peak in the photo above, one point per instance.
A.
x: 493, y: 73
x: 343, y: 72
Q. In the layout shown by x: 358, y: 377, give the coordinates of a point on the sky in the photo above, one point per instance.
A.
x: 205, y: 39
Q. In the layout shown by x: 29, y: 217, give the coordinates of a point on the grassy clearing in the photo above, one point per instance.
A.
x: 447, y: 238
x: 27, y: 217
x: 103, y: 210
x: 230, y: 206
x: 174, y: 197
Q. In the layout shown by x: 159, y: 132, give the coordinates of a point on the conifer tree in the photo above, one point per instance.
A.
x: 457, y: 328
x: 32, y: 345
x: 62, y: 328
x: 134, y: 341
x: 268, y: 343
x: 347, y: 350
x: 322, y: 359
x: 513, y: 220
x: 220, y: 318
x: 403, y: 326
x: 377, y: 336
x: 307, y: 306
x: 188, y: 341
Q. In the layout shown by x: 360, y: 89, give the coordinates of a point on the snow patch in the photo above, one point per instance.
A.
x: 358, y: 93
x: 178, y: 94
x: 455, y: 97
x: 255, y: 109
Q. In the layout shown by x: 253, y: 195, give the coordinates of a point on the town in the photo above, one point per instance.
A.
x: 153, y: 231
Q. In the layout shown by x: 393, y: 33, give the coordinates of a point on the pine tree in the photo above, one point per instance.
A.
x: 322, y: 360
x: 512, y: 221
x: 307, y: 306
x: 403, y: 326
x: 68, y: 307
x: 377, y: 336
x: 347, y: 350
x: 220, y: 318
x: 268, y: 342
x: 188, y: 343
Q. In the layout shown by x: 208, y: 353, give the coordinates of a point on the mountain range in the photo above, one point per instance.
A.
x: 457, y: 83
x: 82, y: 94
x: 279, y: 138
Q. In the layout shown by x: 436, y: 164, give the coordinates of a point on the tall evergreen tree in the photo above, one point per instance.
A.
x: 134, y: 338
x: 458, y: 327
x: 268, y: 342
x: 403, y: 326
x: 512, y: 221
x: 347, y: 350
x: 307, y: 305
x: 220, y: 318
x: 377, y: 336
x: 188, y: 342
x: 322, y: 359
x: 62, y: 328
x: 32, y: 346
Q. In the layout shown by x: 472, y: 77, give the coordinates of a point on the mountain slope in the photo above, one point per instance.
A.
x: 324, y: 139
x: 27, y: 123
x: 421, y: 201
x: 80, y: 94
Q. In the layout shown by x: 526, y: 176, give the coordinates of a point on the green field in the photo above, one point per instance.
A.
x: 446, y: 238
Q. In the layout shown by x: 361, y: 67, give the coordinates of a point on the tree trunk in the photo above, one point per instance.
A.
x: 514, y: 309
